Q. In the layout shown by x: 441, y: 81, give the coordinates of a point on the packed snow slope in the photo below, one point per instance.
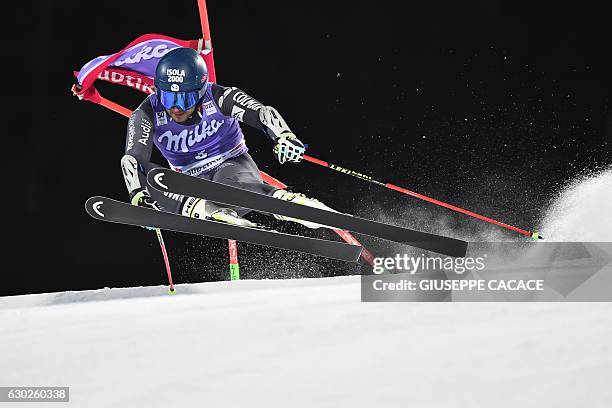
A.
x: 303, y: 343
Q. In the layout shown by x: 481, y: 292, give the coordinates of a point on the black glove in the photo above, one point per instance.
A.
x: 143, y: 199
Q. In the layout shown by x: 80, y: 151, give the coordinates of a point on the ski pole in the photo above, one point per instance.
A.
x: 533, y: 234
x: 171, y: 290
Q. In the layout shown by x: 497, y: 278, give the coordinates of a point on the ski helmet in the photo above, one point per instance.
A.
x: 181, y: 78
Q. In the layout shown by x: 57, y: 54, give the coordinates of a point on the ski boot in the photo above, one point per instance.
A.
x: 229, y: 216
x: 203, y: 209
x: 301, y: 199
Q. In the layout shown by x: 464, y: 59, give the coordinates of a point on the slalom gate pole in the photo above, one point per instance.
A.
x: 234, y: 267
x: 533, y: 234
x: 206, y: 36
x: 115, y: 107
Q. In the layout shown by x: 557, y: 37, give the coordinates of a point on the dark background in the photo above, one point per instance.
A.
x: 490, y: 105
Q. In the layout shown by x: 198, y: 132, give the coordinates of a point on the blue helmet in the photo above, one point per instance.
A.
x: 181, y: 78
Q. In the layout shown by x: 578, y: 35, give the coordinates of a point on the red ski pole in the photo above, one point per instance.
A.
x: 533, y: 234
x: 171, y: 290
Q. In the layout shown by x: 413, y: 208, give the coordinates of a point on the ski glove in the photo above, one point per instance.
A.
x: 289, y: 148
x: 143, y: 199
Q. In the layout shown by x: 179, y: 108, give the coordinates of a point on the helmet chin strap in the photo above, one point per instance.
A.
x: 201, y: 94
x: 202, y: 91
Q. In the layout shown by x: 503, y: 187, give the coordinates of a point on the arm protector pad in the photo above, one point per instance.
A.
x: 273, y: 122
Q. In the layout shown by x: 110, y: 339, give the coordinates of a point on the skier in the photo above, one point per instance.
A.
x: 194, y: 124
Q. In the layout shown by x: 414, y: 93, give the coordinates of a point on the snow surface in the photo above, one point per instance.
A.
x: 312, y: 343
x: 303, y: 343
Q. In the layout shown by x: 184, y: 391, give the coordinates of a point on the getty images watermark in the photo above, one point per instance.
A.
x: 503, y: 271
x: 411, y: 264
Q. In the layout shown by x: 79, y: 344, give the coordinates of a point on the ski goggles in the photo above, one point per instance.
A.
x: 182, y: 100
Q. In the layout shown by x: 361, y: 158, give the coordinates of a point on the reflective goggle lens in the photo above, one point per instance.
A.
x: 182, y: 100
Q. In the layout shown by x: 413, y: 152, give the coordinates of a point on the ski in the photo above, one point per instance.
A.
x: 106, y: 209
x: 169, y: 181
